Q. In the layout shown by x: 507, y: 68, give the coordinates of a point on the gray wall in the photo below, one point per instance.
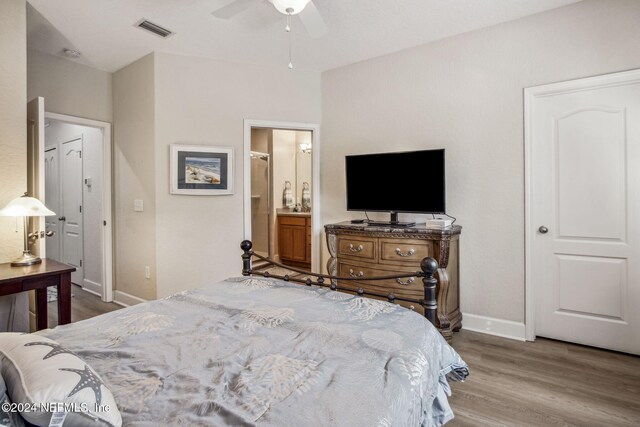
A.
x: 161, y: 99
x: 204, y: 101
x: 134, y: 178
x: 465, y: 94
x: 68, y: 87
x: 13, y: 138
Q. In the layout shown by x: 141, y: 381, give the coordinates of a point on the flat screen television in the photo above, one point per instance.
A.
x: 412, y: 182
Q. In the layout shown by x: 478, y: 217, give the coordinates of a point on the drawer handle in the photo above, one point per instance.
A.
x: 355, y: 249
x: 410, y: 252
x: 407, y: 282
x: 353, y: 274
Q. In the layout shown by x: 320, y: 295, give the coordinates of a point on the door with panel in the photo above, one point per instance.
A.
x: 35, y: 187
x: 35, y: 177
x: 71, y: 207
x: 52, y: 201
x: 584, y: 200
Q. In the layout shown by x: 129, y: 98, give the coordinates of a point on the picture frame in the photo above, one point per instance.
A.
x: 201, y: 170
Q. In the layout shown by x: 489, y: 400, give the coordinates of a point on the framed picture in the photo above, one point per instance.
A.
x: 201, y: 170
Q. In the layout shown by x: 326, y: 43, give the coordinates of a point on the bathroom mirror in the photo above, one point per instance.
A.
x: 303, y: 162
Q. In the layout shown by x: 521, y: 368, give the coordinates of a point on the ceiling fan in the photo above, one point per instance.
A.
x: 305, y: 9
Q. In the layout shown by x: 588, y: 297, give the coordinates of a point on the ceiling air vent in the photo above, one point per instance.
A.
x: 154, y: 28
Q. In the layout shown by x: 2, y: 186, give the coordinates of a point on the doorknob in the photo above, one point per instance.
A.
x: 543, y: 229
x: 62, y: 218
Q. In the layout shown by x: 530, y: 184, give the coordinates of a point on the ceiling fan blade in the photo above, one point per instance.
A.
x: 312, y: 21
x: 232, y: 9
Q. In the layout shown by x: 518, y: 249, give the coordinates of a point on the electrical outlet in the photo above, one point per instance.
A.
x: 147, y: 272
x: 138, y: 205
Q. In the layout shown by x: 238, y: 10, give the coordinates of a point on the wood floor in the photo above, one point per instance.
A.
x: 84, y: 305
x: 544, y: 383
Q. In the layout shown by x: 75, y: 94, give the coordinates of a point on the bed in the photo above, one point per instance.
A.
x: 254, y: 350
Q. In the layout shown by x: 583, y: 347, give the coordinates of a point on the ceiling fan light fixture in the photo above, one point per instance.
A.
x: 289, y: 7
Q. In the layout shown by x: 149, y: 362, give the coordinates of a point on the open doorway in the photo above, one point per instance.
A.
x: 77, y: 181
x: 282, y: 192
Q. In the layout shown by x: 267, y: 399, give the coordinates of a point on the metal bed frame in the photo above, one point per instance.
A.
x: 428, y: 267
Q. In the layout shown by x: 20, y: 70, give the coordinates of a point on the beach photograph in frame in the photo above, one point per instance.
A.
x: 201, y: 170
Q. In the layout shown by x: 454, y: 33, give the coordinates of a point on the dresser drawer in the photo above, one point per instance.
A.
x: 292, y: 220
x: 410, y: 287
x: 404, y: 251
x: 357, y: 247
x: 412, y: 306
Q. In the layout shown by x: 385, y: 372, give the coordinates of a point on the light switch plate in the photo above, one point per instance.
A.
x: 138, y: 205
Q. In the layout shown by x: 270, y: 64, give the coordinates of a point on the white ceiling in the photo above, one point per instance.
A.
x: 358, y: 29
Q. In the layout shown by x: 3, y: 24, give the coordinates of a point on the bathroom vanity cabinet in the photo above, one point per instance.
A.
x: 294, y: 239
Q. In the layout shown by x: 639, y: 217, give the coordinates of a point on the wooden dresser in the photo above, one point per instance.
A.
x: 359, y: 250
x: 294, y: 239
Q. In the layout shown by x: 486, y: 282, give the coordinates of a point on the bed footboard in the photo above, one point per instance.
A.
x: 428, y: 268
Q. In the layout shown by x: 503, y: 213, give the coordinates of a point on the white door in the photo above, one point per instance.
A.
x: 52, y: 201
x: 35, y: 165
x: 71, y: 206
x: 583, y: 141
x: 35, y: 185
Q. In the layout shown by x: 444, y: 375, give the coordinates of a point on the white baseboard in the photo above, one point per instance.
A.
x: 124, y: 299
x: 91, y: 292
x: 92, y: 287
x: 492, y: 326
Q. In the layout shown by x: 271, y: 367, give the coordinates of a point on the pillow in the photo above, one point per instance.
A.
x: 40, y: 371
x: 7, y: 416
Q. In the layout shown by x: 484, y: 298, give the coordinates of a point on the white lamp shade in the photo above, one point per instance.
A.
x: 25, y: 206
x: 296, y: 5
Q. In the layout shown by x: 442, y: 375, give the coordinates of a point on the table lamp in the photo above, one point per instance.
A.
x: 26, y: 206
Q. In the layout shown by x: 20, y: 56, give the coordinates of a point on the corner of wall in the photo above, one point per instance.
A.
x: 134, y: 172
x: 70, y: 87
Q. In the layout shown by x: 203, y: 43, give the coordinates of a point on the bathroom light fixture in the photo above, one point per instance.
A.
x: 26, y: 206
x: 305, y: 147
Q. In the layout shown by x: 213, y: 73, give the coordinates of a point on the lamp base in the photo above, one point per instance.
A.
x: 26, y: 259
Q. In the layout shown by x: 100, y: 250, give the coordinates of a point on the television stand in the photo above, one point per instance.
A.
x: 392, y: 223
